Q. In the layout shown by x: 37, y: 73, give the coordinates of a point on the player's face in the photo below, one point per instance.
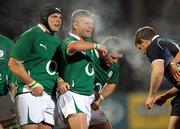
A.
x: 112, y: 58
x: 54, y: 21
x: 143, y: 46
x: 84, y: 27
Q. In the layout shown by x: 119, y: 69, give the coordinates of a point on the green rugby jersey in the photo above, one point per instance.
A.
x: 35, y: 48
x: 79, y: 68
x: 104, y: 74
x: 5, y: 74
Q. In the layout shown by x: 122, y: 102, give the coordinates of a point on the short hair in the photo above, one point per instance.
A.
x: 145, y: 32
x: 80, y: 13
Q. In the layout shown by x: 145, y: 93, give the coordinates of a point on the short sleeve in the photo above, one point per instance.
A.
x: 23, y: 46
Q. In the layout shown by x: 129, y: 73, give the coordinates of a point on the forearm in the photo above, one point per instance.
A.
x: 19, y: 71
x: 13, y: 89
x: 156, y: 80
x: 80, y: 46
x: 108, y: 90
x: 177, y: 58
x: 170, y: 93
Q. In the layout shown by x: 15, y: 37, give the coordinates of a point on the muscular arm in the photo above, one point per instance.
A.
x: 108, y: 90
x: 170, y: 93
x: 19, y: 71
x: 157, y: 75
x: 81, y: 45
x: 174, y: 67
x: 177, y: 58
x: 161, y: 99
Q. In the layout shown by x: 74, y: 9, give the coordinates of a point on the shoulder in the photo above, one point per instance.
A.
x: 30, y: 32
x: 6, y: 41
x: 69, y: 39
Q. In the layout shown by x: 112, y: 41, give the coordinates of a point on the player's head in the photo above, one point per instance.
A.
x: 112, y: 58
x: 82, y: 23
x: 143, y: 38
x: 51, y: 18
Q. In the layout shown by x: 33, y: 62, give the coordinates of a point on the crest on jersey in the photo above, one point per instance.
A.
x: 110, y: 74
x: 1, y: 53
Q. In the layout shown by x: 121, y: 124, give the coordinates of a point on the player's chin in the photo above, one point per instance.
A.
x: 56, y: 28
x: 88, y: 35
x: 109, y: 64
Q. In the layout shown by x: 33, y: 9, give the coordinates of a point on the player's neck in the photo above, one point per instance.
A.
x: 44, y: 28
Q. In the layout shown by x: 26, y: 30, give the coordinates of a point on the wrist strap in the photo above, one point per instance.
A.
x: 101, y: 97
x: 96, y: 46
x: 32, y: 84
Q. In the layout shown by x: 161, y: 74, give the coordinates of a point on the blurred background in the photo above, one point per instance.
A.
x: 121, y: 18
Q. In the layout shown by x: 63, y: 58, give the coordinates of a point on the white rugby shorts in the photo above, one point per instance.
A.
x: 33, y: 110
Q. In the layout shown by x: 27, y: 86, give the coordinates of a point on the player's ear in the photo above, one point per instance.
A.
x: 75, y: 25
x: 142, y: 41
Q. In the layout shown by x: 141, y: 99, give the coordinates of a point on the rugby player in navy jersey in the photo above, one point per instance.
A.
x: 164, y: 56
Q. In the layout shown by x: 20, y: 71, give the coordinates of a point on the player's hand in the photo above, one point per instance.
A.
x: 149, y: 103
x: 37, y: 89
x: 160, y: 100
x: 102, y: 50
x: 95, y: 105
x: 62, y: 87
x: 173, y: 67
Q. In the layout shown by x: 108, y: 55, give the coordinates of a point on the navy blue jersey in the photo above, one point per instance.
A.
x: 163, y: 49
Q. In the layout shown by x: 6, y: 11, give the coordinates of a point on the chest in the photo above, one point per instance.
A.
x: 45, y: 48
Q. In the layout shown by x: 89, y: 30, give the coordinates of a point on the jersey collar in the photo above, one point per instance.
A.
x: 41, y: 27
x: 156, y: 36
x: 75, y: 36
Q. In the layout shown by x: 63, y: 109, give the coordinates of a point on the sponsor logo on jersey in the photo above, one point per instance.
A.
x: 1, y: 53
x: 72, y: 83
x: 110, y: 74
x: 43, y: 46
x: 48, y: 68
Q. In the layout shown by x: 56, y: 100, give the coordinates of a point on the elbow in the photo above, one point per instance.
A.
x: 11, y: 63
x: 160, y: 73
x: 71, y: 48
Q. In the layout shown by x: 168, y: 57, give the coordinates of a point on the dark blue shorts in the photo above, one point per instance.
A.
x: 175, y: 103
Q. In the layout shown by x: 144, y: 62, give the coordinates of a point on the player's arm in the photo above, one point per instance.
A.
x: 19, y: 71
x: 62, y: 86
x: 108, y: 90
x: 162, y: 98
x: 177, y: 58
x: 81, y: 45
x: 20, y: 53
x: 13, y: 88
x: 175, y: 50
x: 174, y: 67
x: 157, y: 74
